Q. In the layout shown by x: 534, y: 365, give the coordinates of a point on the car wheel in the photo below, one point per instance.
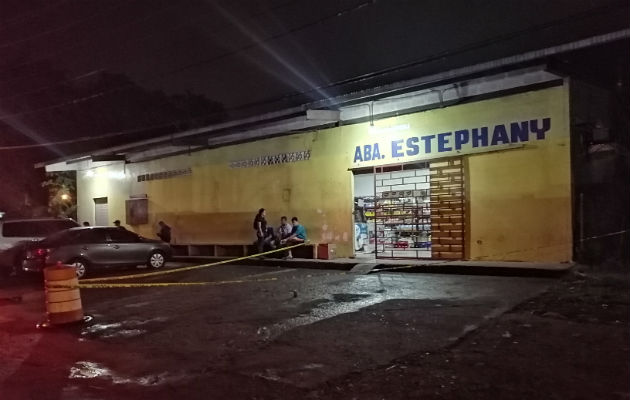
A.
x: 156, y: 260
x: 80, y: 267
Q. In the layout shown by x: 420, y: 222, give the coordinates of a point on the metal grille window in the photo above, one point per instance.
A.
x: 164, y: 174
x: 419, y: 210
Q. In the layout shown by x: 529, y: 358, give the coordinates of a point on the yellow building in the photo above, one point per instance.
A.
x: 474, y: 178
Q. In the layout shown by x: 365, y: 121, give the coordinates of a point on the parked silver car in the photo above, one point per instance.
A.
x: 17, y: 234
x: 89, y: 248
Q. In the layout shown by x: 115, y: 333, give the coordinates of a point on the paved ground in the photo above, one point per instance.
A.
x: 307, y: 334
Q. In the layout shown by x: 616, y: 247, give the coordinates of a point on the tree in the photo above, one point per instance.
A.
x: 62, y: 194
x: 31, y: 96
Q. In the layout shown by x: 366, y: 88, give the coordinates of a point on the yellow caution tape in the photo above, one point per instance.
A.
x: 157, y: 284
x: 191, y: 268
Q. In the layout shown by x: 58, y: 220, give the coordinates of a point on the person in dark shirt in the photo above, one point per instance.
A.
x: 165, y: 232
x: 117, y: 225
x: 260, y: 226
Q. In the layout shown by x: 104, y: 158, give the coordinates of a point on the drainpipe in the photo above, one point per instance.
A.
x: 371, y: 108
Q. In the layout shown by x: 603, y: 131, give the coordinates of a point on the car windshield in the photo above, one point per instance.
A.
x: 35, y: 229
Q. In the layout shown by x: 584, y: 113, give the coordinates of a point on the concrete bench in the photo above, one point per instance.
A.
x: 213, y: 250
x: 308, y: 251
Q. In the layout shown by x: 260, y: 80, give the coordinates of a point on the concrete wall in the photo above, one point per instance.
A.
x: 217, y: 204
x: 520, y: 200
x: 517, y: 191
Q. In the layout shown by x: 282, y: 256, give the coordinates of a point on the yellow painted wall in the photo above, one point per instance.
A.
x: 515, y: 194
x: 520, y: 200
x: 217, y: 204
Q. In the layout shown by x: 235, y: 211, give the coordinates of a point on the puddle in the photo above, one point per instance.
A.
x: 313, y: 366
x: 133, y: 323
x: 88, y: 370
x: 341, y: 303
x: 349, y: 297
x: 124, y: 333
x: 126, y: 329
x: 100, y: 327
x: 93, y: 370
x: 136, y: 305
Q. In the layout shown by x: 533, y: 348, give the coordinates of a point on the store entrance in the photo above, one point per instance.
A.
x: 403, y: 211
x: 364, y: 229
x: 412, y: 211
x: 418, y: 210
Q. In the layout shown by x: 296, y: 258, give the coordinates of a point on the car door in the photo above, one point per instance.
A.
x: 127, y: 246
x: 93, y: 245
x: 12, y: 233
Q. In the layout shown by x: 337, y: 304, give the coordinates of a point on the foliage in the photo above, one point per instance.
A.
x: 62, y: 193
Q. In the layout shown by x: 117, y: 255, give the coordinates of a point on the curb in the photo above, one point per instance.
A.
x: 426, y: 268
x: 477, y: 270
x: 274, y: 262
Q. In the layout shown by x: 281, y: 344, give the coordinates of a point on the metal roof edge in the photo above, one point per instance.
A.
x: 376, y: 92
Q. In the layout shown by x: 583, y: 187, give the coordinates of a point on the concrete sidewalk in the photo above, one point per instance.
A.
x: 370, y: 265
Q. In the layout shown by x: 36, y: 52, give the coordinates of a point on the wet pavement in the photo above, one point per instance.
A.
x: 262, y: 338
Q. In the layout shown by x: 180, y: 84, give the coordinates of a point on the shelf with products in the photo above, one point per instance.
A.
x: 403, y: 224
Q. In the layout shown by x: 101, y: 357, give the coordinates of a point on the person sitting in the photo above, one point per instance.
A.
x: 285, y: 229
x: 298, y: 235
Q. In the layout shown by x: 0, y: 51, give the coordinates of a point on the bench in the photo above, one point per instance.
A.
x: 213, y: 250
x: 308, y: 251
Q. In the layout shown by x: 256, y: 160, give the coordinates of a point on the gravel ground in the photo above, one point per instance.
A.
x: 327, y: 335
x: 572, y: 342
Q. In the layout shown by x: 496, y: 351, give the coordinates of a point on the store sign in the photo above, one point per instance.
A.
x: 457, y: 141
x: 282, y: 158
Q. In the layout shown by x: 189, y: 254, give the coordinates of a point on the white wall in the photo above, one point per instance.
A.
x: 364, y: 185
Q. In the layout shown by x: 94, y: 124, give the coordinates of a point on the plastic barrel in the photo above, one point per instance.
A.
x: 63, y: 304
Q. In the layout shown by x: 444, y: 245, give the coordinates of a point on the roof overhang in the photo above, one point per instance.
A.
x: 398, y: 98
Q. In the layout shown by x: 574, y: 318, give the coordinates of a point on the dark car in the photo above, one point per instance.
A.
x: 90, y: 248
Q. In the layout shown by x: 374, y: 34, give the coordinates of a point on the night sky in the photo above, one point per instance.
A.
x: 239, y: 52
x: 142, y: 68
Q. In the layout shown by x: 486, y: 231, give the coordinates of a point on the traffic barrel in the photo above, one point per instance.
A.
x: 63, y: 299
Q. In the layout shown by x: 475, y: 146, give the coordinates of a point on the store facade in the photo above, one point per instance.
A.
x: 484, y: 180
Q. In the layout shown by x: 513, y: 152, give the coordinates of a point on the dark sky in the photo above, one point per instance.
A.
x: 238, y: 52
x: 71, y: 68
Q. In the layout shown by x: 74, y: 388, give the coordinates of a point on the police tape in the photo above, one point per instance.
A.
x: 490, y: 257
x: 184, y: 269
x: 155, y: 284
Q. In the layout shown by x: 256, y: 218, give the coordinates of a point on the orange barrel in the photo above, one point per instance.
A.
x: 63, y: 304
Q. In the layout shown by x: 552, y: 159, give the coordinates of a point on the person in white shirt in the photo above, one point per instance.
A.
x: 285, y: 228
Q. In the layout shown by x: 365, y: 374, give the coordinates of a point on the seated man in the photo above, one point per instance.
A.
x: 298, y: 235
x: 284, y: 230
